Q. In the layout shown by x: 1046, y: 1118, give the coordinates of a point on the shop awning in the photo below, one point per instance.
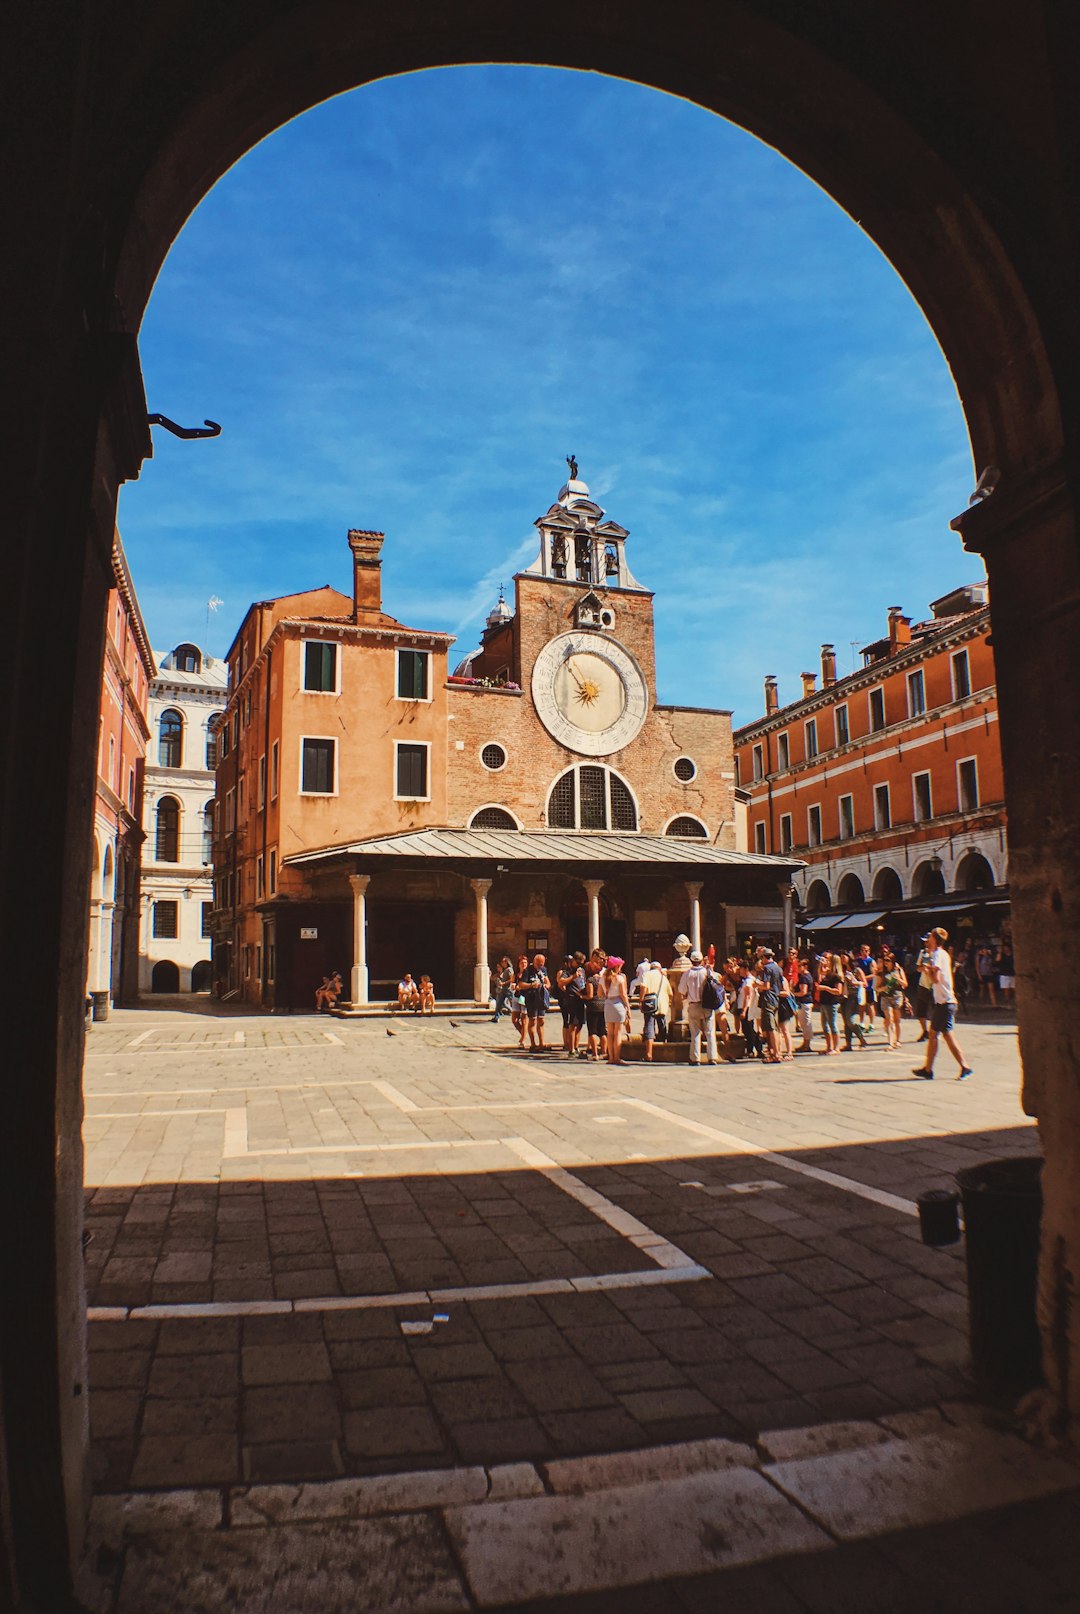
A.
x: 825, y: 921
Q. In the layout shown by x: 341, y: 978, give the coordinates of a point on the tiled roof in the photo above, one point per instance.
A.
x: 546, y: 846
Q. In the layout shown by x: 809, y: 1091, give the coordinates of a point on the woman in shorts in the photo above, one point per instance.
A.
x: 616, y: 999
x: 891, y: 986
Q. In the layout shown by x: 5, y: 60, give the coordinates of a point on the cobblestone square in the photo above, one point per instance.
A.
x: 585, y: 1259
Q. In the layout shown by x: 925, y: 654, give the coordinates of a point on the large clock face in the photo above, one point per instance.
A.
x: 589, y: 693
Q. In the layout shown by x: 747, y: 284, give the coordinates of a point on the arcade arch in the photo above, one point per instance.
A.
x: 887, y: 886
x: 817, y: 897
x: 849, y: 893
x: 974, y: 873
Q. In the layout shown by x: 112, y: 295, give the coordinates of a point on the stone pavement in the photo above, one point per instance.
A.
x: 473, y: 1328
x: 322, y: 1251
x: 939, y: 1513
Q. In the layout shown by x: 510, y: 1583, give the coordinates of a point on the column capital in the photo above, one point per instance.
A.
x: 359, y: 884
x: 693, y: 887
x: 481, y: 885
x: 593, y: 888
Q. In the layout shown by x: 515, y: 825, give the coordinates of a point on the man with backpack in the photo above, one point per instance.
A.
x: 699, y: 1017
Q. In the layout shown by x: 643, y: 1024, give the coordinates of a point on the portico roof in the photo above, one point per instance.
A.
x: 545, y: 846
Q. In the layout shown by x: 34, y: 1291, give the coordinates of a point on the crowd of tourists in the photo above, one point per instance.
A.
x: 839, y: 997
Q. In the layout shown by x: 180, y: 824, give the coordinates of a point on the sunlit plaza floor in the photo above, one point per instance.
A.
x: 323, y: 1256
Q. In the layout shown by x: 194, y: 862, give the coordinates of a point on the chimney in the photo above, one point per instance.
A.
x: 367, y: 572
x: 828, y: 665
x: 899, y: 630
x: 808, y: 682
x: 772, y: 699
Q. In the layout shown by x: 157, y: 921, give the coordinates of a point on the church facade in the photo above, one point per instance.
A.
x: 377, y: 812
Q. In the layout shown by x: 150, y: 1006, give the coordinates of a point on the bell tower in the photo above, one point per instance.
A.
x: 577, y: 545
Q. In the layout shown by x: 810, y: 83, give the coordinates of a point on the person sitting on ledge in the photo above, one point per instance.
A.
x: 327, y: 994
x: 408, y: 993
x: 427, y: 995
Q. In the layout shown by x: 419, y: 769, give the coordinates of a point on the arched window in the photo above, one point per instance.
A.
x: 492, y: 818
x: 171, y: 740
x: 167, y: 840
x: 186, y: 658
x: 591, y: 797
x: 686, y: 828
x: 850, y: 892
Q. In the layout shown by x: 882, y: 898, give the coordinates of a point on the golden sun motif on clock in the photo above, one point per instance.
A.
x: 589, y: 692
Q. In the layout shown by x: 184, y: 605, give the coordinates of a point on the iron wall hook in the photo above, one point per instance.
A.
x: 209, y: 428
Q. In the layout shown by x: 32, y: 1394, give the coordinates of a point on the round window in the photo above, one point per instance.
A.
x: 685, y: 769
x: 493, y: 757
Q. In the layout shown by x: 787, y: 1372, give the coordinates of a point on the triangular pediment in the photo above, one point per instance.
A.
x: 611, y: 529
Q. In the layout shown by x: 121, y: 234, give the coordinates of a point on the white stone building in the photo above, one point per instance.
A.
x: 186, y: 699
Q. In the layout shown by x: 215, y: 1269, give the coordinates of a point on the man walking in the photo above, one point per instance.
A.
x: 943, y: 1010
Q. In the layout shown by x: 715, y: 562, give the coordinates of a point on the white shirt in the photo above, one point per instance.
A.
x: 943, y: 987
x: 692, y: 982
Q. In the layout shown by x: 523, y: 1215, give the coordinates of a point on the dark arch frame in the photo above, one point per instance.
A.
x: 124, y: 124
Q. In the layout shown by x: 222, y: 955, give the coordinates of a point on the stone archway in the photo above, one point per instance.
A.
x: 124, y: 125
x: 817, y: 897
x: 850, y: 893
x: 973, y: 873
x: 887, y: 886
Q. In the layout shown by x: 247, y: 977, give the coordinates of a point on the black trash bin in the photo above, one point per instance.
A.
x: 1002, y: 1202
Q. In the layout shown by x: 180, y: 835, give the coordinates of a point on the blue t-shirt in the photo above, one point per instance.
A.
x: 773, y: 977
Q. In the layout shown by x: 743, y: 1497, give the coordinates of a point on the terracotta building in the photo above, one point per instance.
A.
x: 123, y: 732
x: 376, y: 812
x: 888, y: 781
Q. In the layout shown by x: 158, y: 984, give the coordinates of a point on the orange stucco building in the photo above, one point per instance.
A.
x: 888, y: 781
x: 377, y: 812
x: 123, y: 733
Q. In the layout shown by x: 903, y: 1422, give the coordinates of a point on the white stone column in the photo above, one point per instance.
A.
x: 358, y: 985
x: 592, y: 891
x: 482, y: 970
x: 788, y: 894
x: 693, y: 891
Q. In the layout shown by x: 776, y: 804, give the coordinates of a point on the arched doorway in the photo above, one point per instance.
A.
x: 165, y: 976
x: 202, y: 976
x: 980, y: 234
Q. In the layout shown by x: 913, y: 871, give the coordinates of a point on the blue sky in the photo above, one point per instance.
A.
x: 406, y: 307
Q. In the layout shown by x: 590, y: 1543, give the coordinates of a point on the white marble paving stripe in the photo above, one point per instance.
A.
x: 238, y: 1035
x: 330, y: 1037
x: 688, y: 1272
x: 849, y: 1185
x: 379, y: 1148
x: 651, y: 1243
x: 143, y: 1035
x: 137, y: 1115
x: 235, y: 1144
x: 396, y: 1097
